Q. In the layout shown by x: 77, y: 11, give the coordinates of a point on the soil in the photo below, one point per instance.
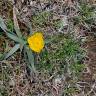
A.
x: 89, y: 74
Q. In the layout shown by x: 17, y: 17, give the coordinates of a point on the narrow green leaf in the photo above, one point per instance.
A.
x: 1, y: 94
x: 2, y: 25
x: 27, y: 61
x: 31, y: 60
x: 1, y: 55
x: 15, y: 38
x: 12, y: 51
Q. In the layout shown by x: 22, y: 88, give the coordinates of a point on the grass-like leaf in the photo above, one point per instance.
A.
x: 12, y: 51
x: 31, y: 60
x: 15, y: 38
x: 1, y: 94
x: 2, y: 25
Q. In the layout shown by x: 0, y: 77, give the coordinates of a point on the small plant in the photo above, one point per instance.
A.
x: 45, y: 19
x: 10, y: 25
x: 71, y: 91
x: 64, y: 56
x: 35, y: 41
x: 86, y: 16
x: 57, y: 24
x: 40, y: 19
x: 63, y: 52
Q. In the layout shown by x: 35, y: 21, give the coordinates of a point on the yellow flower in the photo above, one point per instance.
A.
x: 36, y: 42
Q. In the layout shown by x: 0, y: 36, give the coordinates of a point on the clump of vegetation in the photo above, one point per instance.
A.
x: 56, y: 56
x: 21, y: 44
x: 41, y: 19
x: 63, y: 52
x: 70, y: 91
x: 63, y: 56
x: 10, y: 25
x: 57, y: 24
x: 44, y: 19
x: 86, y: 15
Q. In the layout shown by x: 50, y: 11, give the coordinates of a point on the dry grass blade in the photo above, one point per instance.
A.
x: 16, y: 26
x: 30, y: 27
